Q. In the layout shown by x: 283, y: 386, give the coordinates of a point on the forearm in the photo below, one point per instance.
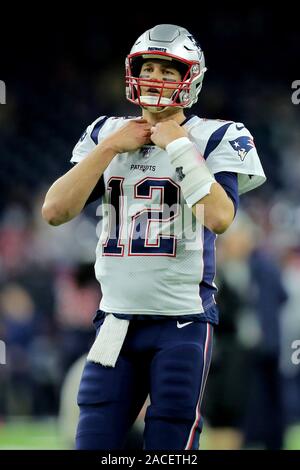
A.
x: 215, y: 210
x: 68, y: 195
x: 199, y: 186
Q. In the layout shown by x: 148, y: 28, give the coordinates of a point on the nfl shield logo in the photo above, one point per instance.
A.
x: 146, y: 150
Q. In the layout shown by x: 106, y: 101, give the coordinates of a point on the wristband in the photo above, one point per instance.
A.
x: 194, y: 176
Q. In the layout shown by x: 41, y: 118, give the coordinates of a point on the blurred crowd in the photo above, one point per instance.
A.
x: 48, y: 294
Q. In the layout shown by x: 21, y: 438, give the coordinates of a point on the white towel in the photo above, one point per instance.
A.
x: 109, y: 341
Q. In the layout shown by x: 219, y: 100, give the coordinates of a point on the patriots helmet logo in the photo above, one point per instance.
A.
x: 242, y: 145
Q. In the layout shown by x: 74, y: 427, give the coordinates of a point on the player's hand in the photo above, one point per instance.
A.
x: 130, y: 137
x: 165, y: 132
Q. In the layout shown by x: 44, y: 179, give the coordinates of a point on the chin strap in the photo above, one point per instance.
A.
x: 154, y: 100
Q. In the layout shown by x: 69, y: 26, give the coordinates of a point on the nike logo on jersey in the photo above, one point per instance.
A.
x: 239, y: 128
x: 182, y: 325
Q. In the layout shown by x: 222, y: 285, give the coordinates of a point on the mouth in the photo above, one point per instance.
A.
x: 153, y: 91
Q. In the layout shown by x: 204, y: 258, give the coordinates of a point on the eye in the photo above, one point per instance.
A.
x: 146, y: 68
x: 169, y: 75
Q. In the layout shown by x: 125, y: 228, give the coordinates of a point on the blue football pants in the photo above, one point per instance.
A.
x: 167, y: 359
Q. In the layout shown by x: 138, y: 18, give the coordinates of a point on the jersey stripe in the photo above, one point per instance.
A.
x: 215, y: 139
x: 206, y: 364
x: 96, y: 129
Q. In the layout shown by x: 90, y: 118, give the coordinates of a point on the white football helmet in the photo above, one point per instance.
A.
x: 173, y: 43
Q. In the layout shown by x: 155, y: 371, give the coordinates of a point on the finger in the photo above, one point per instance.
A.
x: 140, y: 120
x: 145, y: 126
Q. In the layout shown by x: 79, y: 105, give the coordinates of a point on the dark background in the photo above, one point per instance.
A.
x: 64, y: 66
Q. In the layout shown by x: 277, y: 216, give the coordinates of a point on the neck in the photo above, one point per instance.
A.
x: 176, y: 114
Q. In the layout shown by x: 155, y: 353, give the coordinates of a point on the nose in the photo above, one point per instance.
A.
x: 155, y: 74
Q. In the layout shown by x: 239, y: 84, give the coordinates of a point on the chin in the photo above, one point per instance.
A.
x: 155, y: 109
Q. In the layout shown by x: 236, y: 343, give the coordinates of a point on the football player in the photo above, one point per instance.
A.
x: 159, y: 175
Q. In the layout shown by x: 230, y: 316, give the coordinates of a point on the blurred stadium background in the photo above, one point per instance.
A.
x: 62, y: 70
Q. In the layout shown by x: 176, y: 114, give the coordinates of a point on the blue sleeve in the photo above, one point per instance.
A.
x: 229, y: 182
x: 97, y: 192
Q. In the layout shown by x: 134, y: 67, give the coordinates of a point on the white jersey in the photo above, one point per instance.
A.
x: 153, y: 264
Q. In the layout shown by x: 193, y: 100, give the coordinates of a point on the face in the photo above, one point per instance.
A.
x: 163, y: 70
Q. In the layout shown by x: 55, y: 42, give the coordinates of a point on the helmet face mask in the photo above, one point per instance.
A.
x: 175, y: 45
